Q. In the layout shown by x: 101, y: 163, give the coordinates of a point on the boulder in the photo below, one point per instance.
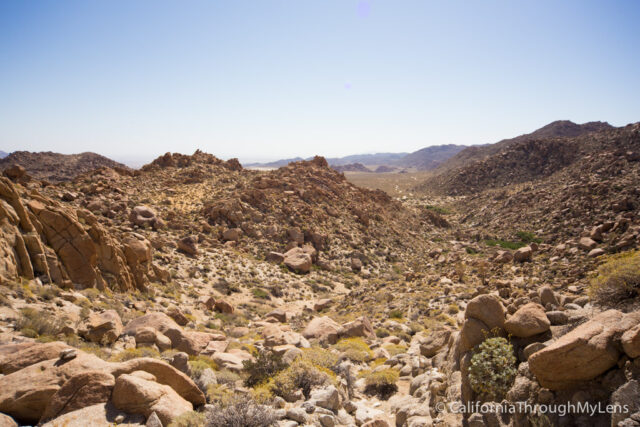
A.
x: 232, y: 234
x: 358, y: 328
x: 7, y: 421
x: 84, y: 389
x: 587, y: 244
x: 433, y: 341
x: 327, y: 398
x: 223, y: 306
x: 177, y: 315
x: 631, y: 342
x: 144, y: 216
x: 23, y: 356
x: 323, y: 328
x: 488, y: 309
x: 188, y: 245
x: 473, y: 333
x: 584, y: 353
x: 547, y: 296
x: 103, y: 328
x: 298, y: 260
x: 275, y: 257
x: 503, y: 257
x: 523, y: 254
x: 139, y: 395
x: 102, y: 414
x: 527, y: 321
x: 322, y: 304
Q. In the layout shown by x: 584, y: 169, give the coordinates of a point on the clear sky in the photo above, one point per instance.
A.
x: 270, y: 79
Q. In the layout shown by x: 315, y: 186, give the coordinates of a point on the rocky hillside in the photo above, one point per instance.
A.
x: 526, y: 160
x: 56, y: 167
x: 195, y: 292
x: 557, y: 129
x: 352, y: 167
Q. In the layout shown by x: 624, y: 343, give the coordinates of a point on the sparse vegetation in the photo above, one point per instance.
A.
x: 381, y: 382
x: 493, y: 369
x: 300, y: 375
x: 266, y: 365
x: 355, y: 349
x: 618, y: 278
x: 240, y: 412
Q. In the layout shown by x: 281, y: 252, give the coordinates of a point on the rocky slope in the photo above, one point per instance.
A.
x: 195, y: 292
x: 56, y: 167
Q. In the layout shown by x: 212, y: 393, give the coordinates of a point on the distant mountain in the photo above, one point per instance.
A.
x: 352, y: 167
x: 367, y: 159
x: 430, y: 157
x: 521, y: 159
x: 425, y: 159
x: 3, y: 154
x: 559, y: 128
x: 56, y: 167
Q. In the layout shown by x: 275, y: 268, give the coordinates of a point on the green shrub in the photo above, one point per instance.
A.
x: 528, y: 237
x: 355, y: 349
x: 227, y: 377
x: 382, y: 332
x: 198, y: 364
x: 395, y: 314
x: 134, y: 353
x: 33, y: 323
x: 266, y: 365
x: 618, y: 278
x: 381, y: 382
x: 493, y: 369
x: 189, y: 419
x: 260, y: 293
x: 320, y: 357
x: 395, y: 349
x: 505, y: 244
x: 300, y: 375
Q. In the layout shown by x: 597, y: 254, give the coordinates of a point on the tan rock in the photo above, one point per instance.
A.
x: 104, y: 328
x: 488, y: 309
x: 527, y: 321
x: 7, y: 421
x: 133, y: 394
x: 587, y: 244
x: 298, y: 260
x: 523, y: 254
x: 223, y: 306
x: 188, y: 245
x: 102, y: 414
x: 28, y: 355
x: 323, y: 328
x: 358, y: 328
x: 631, y: 342
x: 81, y: 390
x: 584, y: 353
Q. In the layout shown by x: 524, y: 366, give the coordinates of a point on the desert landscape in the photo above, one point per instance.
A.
x: 345, y: 213
x: 195, y: 286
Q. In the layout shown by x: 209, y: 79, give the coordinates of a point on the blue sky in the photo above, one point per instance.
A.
x: 272, y: 79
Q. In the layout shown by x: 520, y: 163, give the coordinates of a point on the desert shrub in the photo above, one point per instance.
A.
x: 395, y: 314
x: 266, y: 365
x: 528, y: 237
x: 227, y: 377
x: 33, y: 323
x: 198, y: 364
x: 395, y: 349
x: 381, y: 382
x: 260, y: 293
x: 618, y: 278
x: 492, y: 369
x: 134, y: 353
x: 4, y: 300
x: 218, y: 393
x: 300, y: 375
x: 189, y: 419
x: 241, y: 412
x: 263, y: 393
x: 382, y: 332
x: 320, y: 357
x: 355, y: 349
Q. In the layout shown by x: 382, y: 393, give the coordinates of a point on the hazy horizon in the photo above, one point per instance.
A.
x: 272, y: 80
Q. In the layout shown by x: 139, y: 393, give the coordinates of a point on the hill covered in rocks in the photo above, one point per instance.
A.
x: 196, y: 292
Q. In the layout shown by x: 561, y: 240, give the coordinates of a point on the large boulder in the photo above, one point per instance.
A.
x: 631, y: 342
x: 23, y: 356
x: 488, y: 309
x: 140, y: 394
x: 84, y: 389
x: 298, y: 260
x: 144, y: 216
x: 323, y: 328
x: 527, y: 321
x: 103, y: 328
x: 523, y: 254
x: 584, y: 353
x: 102, y: 414
x: 358, y: 328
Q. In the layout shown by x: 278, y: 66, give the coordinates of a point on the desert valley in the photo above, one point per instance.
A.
x: 195, y: 291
